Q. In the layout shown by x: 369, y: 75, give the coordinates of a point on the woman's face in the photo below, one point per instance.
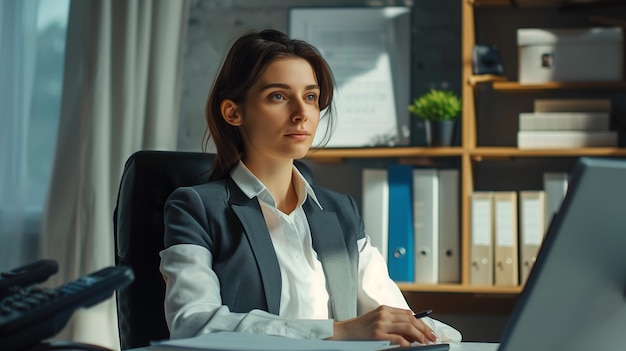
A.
x: 281, y: 112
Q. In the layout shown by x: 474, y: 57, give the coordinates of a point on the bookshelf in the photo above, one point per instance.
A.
x: 471, y: 153
x: 503, y: 86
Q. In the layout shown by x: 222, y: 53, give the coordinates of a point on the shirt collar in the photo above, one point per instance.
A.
x: 251, y: 186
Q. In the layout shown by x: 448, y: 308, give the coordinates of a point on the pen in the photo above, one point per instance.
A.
x: 422, y: 314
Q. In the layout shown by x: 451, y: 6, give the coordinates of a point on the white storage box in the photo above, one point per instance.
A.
x: 567, y: 55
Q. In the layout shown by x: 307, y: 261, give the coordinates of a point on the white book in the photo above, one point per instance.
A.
x: 426, y: 225
x: 481, y: 249
x: 375, y: 207
x: 532, y: 229
x: 565, y: 139
x: 449, y: 227
x: 599, y: 121
x: 505, y: 238
x: 555, y: 187
x: 573, y: 105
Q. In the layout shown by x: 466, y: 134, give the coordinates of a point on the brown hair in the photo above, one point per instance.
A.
x: 245, y: 62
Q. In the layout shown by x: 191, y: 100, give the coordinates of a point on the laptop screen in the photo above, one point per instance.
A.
x: 575, y: 296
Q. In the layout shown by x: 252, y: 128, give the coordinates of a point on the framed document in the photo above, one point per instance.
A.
x: 368, y: 50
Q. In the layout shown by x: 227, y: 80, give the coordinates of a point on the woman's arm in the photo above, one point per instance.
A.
x: 399, y: 326
x: 193, y: 304
x: 376, y: 288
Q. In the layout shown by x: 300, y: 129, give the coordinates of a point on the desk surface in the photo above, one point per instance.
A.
x: 464, y: 346
x: 475, y: 346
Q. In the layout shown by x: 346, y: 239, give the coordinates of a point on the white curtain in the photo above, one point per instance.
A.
x: 18, y: 201
x: 121, y: 93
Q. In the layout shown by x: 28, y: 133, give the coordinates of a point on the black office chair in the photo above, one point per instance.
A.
x: 149, y: 177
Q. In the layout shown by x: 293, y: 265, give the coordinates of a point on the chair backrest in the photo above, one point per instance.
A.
x: 148, y: 179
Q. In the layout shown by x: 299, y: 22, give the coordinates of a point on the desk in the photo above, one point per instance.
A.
x: 464, y: 346
x: 475, y: 346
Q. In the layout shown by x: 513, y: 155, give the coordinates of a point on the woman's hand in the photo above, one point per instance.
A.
x: 399, y: 326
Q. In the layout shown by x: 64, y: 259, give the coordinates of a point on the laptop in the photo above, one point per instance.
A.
x: 575, y: 295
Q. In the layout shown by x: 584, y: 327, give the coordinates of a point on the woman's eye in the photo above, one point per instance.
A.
x: 311, y: 98
x: 277, y: 97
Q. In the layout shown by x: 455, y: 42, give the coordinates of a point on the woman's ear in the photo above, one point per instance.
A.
x: 230, y: 112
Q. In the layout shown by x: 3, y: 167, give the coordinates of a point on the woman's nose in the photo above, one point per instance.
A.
x: 300, y: 112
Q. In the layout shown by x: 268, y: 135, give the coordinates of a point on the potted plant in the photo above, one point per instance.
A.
x: 440, y: 109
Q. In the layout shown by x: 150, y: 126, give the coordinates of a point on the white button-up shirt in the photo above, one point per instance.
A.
x: 303, y: 291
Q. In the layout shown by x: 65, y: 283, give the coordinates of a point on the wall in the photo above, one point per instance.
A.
x: 436, y: 37
x: 213, y: 25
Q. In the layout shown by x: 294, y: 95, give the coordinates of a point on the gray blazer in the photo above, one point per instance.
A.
x: 220, y: 217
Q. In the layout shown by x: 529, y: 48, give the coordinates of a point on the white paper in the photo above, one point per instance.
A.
x: 368, y: 52
x: 233, y: 341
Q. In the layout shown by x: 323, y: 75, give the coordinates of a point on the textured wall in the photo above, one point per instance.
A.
x: 213, y: 25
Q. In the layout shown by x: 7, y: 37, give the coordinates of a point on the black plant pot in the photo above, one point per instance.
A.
x: 440, y: 133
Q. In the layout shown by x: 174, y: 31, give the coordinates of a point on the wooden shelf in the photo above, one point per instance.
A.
x: 501, y: 83
x: 459, y: 288
x: 509, y: 152
x: 507, y: 86
x: 485, y: 78
x: 476, y: 153
x: 546, y: 4
x: 383, y: 152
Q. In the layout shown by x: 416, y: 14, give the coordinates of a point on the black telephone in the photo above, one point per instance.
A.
x: 30, y: 314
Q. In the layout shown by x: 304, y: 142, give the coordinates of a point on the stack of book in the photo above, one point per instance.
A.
x: 507, y: 229
x: 567, y: 123
x: 412, y: 216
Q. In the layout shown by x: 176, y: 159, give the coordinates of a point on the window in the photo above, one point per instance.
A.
x: 32, y: 42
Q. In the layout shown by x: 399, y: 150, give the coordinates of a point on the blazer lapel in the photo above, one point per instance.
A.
x: 332, y: 252
x: 251, y: 217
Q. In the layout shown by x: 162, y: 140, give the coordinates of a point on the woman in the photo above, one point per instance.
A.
x: 258, y: 249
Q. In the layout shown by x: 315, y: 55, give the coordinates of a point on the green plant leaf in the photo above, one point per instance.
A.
x: 437, y: 105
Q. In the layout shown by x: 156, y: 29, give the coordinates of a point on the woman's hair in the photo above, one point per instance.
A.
x: 247, y: 59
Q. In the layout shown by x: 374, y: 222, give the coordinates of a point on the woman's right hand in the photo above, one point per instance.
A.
x: 397, y: 325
